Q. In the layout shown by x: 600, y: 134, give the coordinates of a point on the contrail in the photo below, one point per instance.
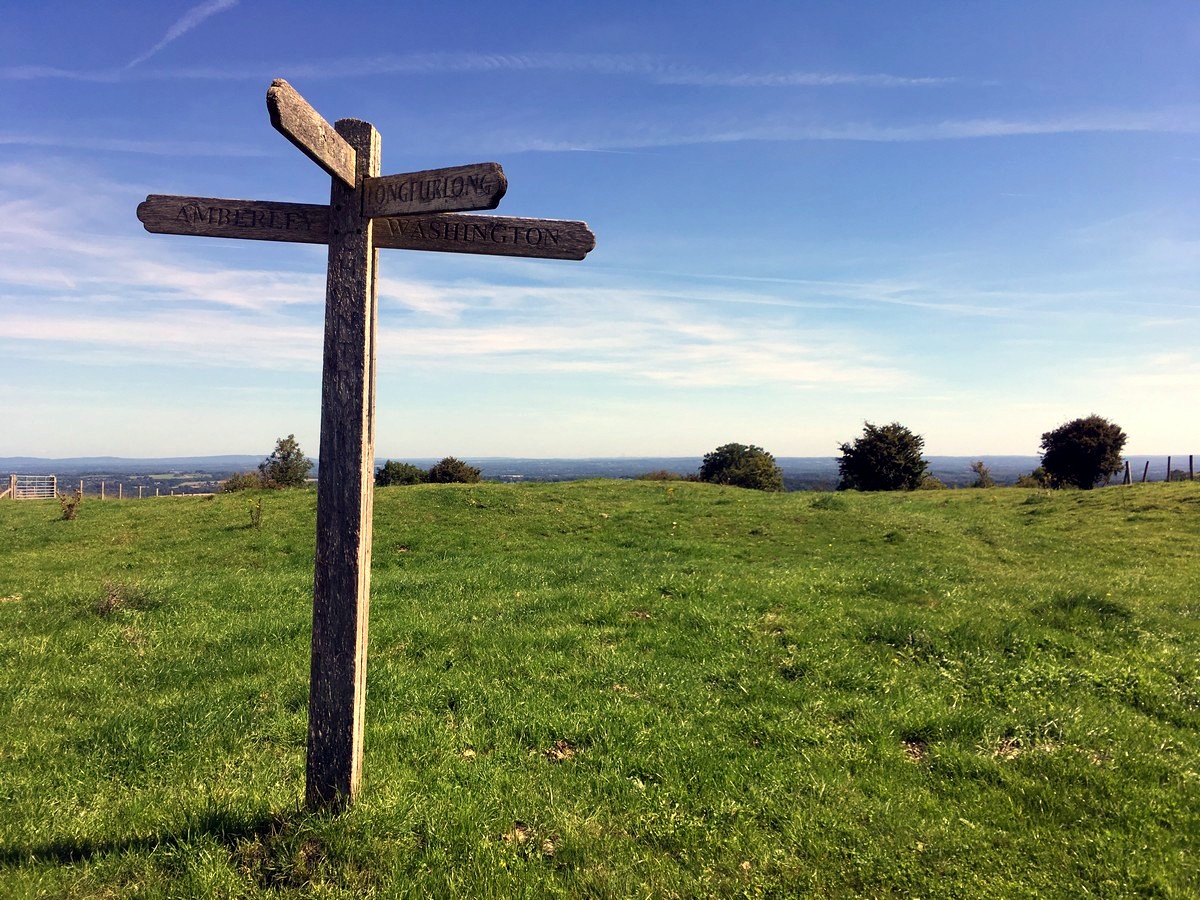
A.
x: 190, y: 20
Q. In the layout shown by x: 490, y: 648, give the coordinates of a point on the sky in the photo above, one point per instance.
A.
x: 978, y: 219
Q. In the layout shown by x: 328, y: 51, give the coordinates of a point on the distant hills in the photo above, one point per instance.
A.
x: 800, y: 472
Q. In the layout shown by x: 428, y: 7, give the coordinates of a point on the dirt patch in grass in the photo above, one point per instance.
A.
x: 559, y: 752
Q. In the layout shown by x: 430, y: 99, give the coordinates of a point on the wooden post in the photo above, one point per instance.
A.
x: 120, y: 490
x: 1145, y: 471
x: 1168, y: 469
x: 1191, y: 470
x: 102, y: 490
x: 140, y: 491
x: 1127, y: 479
x: 81, y: 488
x: 156, y: 492
x: 345, y: 489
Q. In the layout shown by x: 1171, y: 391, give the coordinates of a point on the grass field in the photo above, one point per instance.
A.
x: 614, y: 689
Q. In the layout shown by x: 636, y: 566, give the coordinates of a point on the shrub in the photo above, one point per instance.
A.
x: 885, y: 458
x: 742, y: 466
x: 931, y: 483
x: 69, y: 503
x: 660, y: 475
x: 453, y: 471
x: 241, y: 481
x: 287, y: 466
x: 1083, y: 452
x: 392, y: 472
x: 1035, y: 479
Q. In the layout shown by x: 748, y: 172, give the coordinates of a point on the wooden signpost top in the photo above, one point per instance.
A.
x: 367, y: 211
x: 303, y: 126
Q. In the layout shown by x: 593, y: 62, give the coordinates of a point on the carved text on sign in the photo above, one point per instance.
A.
x: 459, y: 188
x: 490, y: 235
x: 429, y: 189
x: 245, y: 217
x: 447, y: 229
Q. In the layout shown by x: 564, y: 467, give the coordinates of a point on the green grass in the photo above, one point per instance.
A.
x: 614, y: 689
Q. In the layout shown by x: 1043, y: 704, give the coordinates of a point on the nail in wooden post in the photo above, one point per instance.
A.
x: 345, y: 490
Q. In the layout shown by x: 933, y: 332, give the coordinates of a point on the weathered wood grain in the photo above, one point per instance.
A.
x: 255, y: 220
x: 492, y: 235
x: 345, y: 491
x: 292, y: 116
x: 454, y: 189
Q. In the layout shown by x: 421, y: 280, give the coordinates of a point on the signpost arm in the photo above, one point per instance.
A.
x: 345, y: 489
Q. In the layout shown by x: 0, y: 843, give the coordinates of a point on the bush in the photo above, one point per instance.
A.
x: 931, y: 483
x: 453, y: 471
x: 742, y: 466
x: 1083, y: 453
x: 660, y: 475
x: 885, y: 458
x: 287, y: 466
x: 69, y: 503
x: 1035, y: 479
x: 392, y: 472
x: 241, y: 481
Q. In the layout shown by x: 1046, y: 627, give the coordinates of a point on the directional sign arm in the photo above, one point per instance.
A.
x: 256, y: 220
x: 303, y: 126
x: 491, y: 235
x: 456, y: 189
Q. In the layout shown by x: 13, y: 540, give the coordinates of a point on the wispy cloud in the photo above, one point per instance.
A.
x: 640, y: 66
x: 191, y: 19
x: 73, y: 287
x: 635, y: 135
x: 799, y: 79
x: 126, y: 145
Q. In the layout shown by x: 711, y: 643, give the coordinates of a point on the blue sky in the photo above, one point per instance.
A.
x: 977, y: 219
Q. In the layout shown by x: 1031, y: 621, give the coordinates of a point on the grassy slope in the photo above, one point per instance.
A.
x: 610, y: 688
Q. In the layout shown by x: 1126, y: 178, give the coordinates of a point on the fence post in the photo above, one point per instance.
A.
x: 1145, y: 471
x: 120, y: 491
x: 1128, y: 479
x: 140, y: 491
x: 1191, y: 471
x: 81, y: 488
x: 1168, y: 469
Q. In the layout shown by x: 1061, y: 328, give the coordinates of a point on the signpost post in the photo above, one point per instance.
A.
x: 366, y: 211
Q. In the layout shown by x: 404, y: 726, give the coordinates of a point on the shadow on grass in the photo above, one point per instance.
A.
x: 253, y: 835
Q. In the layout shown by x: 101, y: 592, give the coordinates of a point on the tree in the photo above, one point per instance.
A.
x: 1083, y: 453
x: 983, y: 477
x: 287, y: 466
x: 885, y: 458
x: 742, y: 466
x: 451, y: 470
x: 392, y: 472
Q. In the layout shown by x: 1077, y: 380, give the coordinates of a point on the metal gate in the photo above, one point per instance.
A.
x: 34, y: 487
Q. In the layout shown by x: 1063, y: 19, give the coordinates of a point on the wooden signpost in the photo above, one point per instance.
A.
x: 366, y: 211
